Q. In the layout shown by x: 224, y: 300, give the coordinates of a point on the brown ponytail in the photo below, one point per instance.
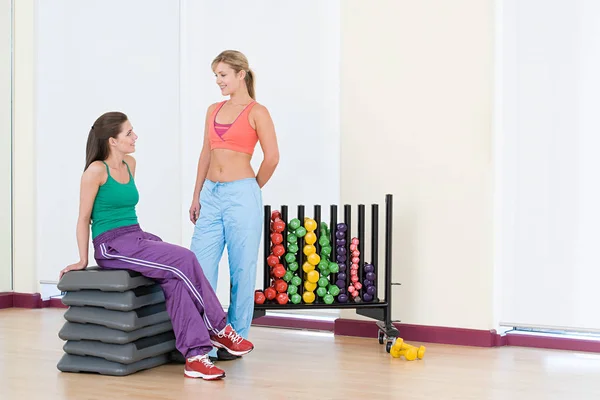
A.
x: 249, y: 79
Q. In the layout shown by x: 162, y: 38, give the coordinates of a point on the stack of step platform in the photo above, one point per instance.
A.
x: 117, y: 323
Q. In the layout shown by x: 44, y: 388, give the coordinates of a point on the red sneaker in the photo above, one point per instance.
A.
x: 202, y: 367
x: 229, y: 340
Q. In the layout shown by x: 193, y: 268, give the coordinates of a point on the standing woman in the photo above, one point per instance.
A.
x: 227, y: 204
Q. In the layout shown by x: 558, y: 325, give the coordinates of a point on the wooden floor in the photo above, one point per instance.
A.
x: 289, y: 364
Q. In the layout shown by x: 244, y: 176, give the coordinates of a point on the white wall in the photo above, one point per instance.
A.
x: 549, y: 181
x: 5, y: 145
x: 416, y: 105
x: 293, y: 49
x: 24, y: 156
x: 415, y: 86
x: 162, y: 79
x: 95, y: 57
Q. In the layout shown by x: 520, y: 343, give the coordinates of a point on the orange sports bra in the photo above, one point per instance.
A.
x: 238, y: 136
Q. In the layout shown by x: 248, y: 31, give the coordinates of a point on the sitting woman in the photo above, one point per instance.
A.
x: 108, y: 197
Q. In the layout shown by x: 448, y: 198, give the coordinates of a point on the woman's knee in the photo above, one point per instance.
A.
x: 189, y: 261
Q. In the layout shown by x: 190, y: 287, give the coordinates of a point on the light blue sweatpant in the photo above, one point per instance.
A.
x: 231, y: 213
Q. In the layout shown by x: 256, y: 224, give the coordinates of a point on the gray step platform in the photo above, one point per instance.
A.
x: 122, y: 320
x: 95, y: 278
x: 122, y: 301
x: 176, y: 357
x: 124, y: 353
x: 73, y: 363
x: 75, y: 331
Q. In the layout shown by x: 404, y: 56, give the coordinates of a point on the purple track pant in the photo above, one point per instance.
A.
x: 191, y: 302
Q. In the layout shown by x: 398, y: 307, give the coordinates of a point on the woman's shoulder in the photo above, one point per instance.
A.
x: 96, y: 168
x: 96, y: 171
x: 213, y: 106
x: 130, y: 160
x: 259, y: 110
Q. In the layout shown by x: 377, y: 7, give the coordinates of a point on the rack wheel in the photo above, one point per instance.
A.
x: 388, y: 346
x: 381, y: 337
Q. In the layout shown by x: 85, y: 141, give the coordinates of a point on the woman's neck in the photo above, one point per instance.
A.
x: 240, y: 97
x: 115, y: 161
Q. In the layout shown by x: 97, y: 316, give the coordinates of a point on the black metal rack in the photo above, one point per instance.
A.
x: 378, y: 309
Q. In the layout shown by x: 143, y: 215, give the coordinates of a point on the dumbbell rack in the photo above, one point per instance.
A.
x: 378, y: 309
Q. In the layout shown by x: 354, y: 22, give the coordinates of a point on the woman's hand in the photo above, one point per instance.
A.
x: 195, y: 211
x: 73, y: 267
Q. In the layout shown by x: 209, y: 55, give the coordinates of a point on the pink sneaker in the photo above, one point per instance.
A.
x: 229, y: 340
x: 202, y: 367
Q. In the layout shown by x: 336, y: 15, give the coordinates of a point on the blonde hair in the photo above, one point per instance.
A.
x: 238, y: 62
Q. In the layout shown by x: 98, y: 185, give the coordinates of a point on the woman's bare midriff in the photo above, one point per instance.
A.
x: 228, y: 165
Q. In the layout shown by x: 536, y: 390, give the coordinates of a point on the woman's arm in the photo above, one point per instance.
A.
x: 268, y: 142
x: 203, y: 165
x: 90, y: 182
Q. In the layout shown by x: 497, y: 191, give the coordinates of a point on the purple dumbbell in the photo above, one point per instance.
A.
x: 371, y: 290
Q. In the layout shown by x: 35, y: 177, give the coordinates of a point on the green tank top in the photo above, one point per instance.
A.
x: 114, y: 205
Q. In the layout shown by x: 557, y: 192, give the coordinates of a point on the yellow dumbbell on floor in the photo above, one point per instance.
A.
x: 419, y: 350
x: 401, y: 348
x: 398, y: 350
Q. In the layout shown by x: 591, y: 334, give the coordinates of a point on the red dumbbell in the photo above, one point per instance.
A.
x: 275, y: 215
x: 259, y: 297
x: 270, y: 293
x: 276, y: 238
x: 281, y: 286
x: 272, y: 260
x: 282, y: 298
